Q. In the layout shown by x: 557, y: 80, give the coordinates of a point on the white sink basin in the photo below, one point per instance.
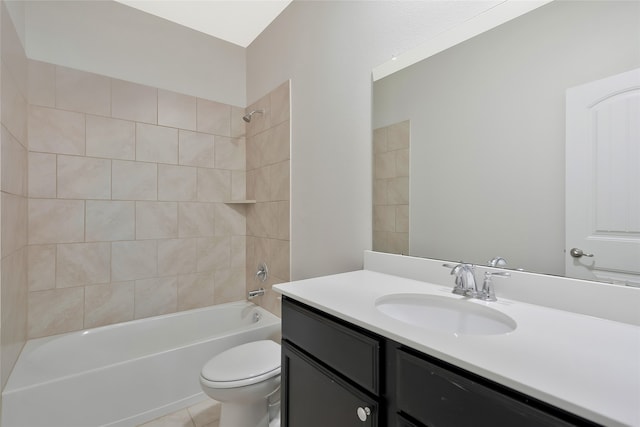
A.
x: 453, y: 315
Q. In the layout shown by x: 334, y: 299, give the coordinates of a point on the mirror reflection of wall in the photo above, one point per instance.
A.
x: 391, y: 188
x: 488, y: 130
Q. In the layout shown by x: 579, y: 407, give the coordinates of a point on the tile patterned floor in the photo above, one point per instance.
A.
x: 203, y: 414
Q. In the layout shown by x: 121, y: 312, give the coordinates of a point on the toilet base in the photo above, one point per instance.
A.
x: 244, y: 415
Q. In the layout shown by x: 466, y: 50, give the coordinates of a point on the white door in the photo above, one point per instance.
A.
x: 603, y: 180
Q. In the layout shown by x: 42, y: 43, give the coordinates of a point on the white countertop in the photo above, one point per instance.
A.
x: 586, y: 365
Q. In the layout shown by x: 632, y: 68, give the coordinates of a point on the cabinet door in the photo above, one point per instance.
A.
x: 315, y: 397
x: 438, y: 397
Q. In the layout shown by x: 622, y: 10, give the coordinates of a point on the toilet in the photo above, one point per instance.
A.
x: 243, y: 379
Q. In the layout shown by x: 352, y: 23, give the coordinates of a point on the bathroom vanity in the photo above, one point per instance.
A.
x: 348, y: 362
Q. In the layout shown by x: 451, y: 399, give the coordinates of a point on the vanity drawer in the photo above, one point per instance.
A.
x: 344, y: 349
x: 434, y: 395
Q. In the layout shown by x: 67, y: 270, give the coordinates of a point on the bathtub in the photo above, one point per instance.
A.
x: 128, y: 373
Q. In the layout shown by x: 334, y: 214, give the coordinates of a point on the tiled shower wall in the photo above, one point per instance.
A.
x: 268, y: 182
x: 127, y: 185
x: 391, y: 188
x: 13, y: 141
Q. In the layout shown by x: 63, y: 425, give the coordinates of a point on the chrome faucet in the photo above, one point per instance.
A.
x: 465, y: 279
x: 256, y: 293
x: 497, y: 262
x: 466, y: 285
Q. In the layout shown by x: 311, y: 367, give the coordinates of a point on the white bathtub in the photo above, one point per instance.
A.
x: 128, y: 373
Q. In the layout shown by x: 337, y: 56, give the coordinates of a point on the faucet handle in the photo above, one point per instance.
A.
x: 487, y: 293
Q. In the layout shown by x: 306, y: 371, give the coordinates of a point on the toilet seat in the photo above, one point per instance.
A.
x: 243, y: 365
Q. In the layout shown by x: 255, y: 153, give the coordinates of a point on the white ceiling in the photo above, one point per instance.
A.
x: 236, y: 21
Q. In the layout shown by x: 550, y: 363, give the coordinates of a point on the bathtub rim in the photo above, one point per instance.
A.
x: 267, y: 319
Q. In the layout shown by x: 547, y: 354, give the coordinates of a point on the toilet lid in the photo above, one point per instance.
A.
x: 244, y: 361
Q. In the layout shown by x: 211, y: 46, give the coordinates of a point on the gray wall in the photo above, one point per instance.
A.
x: 487, y: 136
x: 328, y: 49
x: 109, y: 38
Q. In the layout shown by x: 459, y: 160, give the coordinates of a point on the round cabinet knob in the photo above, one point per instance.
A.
x: 577, y: 253
x: 363, y: 413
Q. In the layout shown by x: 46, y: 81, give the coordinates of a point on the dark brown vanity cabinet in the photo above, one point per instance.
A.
x: 330, y: 372
x: 335, y: 374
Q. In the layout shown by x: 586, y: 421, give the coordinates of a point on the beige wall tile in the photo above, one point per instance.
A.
x: 402, y: 219
x: 196, y: 149
x: 214, y: 185
x: 279, y: 181
x: 384, y: 218
x: 238, y: 126
x: 398, y: 136
x: 229, y: 285
x: 42, y: 83
x: 238, y: 185
x: 55, y: 311
x: 110, y: 220
x: 13, y: 105
x: 56, y: 131
x: 133, y: 260
x: 402, y: 162
x: 156, y: 144
x: 230, y: 219
x: 283, y: 220
x: 280, y: 259
x: 83, y: 178
x: 195, y: 290
x: 176, y: 110
x: 134, y: 181
x: 384, y: 165
x: 14, y: 165
x: 132, y: 101
x: 83, y: 92
x: 261, y: 182
x: 277, y: 148
x: 214, y: 253
x: 238, y: 251
x: 280, y: 104
x: 214, y: 117
x: 14, y: 223
x: 14, y: 309
x: 41, y: 265
x: 110, y: 138
x: 230, y: 153
x: 262, y: 219
x: 177, y: 256
x: 42, y: 175
x: 156, y: 220
x: 380, y: 140
x: 259, y: 122
x: 56, y: 221
x: 196, y: 219
x: 256, y: 145
x: 176, y: 183
x: 156, y: 296
x: 80, y: 264
x: 381, y: 241
x: 107, y: 304
x: 399, y: 243
x: 380, y: 191
x: 398, y: 191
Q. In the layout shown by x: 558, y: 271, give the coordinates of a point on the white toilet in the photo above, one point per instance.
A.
x: 242, y: 379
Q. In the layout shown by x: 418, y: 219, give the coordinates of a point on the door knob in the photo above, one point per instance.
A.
x: 363, y: 413
x: 577, y: 253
